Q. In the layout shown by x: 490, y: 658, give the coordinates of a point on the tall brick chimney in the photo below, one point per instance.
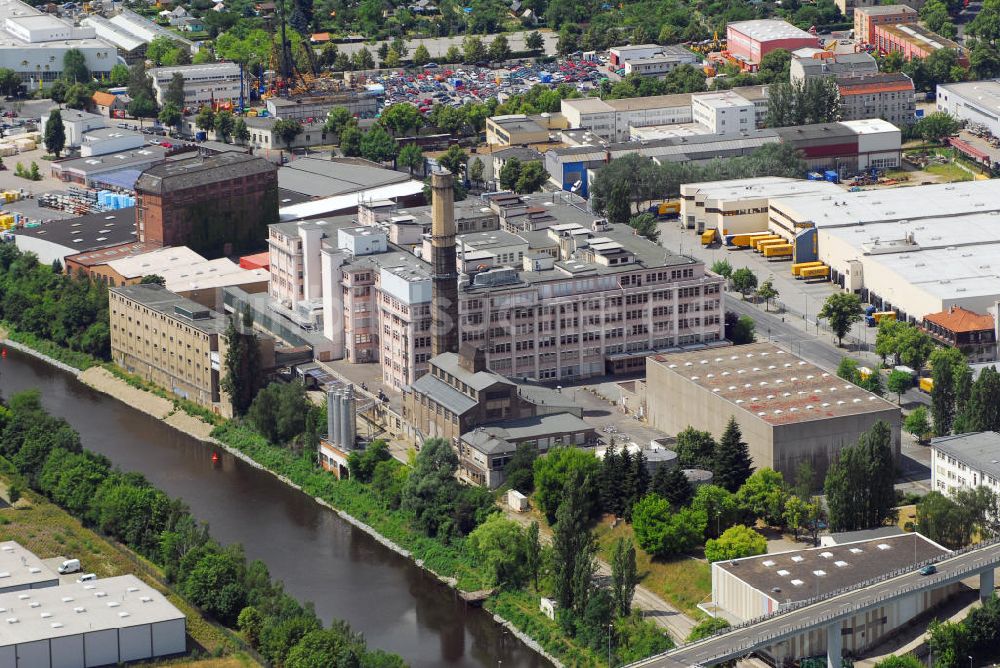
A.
x: 444, y: 294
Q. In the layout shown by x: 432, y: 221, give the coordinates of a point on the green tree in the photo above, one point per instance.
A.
x: 945, y: 521
x: 499, y: 50
x: 453, y: 55
x: 473, y: 50
x: 402, y: 118
x: 476, y: 168
x: 848, y: 370
x: 142, y: 106
x: 533, y: 553
x: 429, y: 489
x: 671, y: 483
x: 555, y: 468
x: 795, y: 513
x: 887, y: 338
x: 624, y: 576
x: 662, y: 532
x: 322, y: 648
x: 904, y: 661
x: 225, y: 123
x: 949, y: 643
x: 814, y: 101
x: 732, y: 465
x: 362, y: 463
x: 500, y: 544
x: 519, y: 471
x: 287, y: 130
x: 205, y: 120
x: 805, y: 480
x: 378, y: 146
x: 735, y: 543
x: 767, y: 292
x: 946, y: 365
x: 175, y: 91
x: 984, y: 402
x: 645, y: 225
x: 454, y: 160
x: 411, y: 157
x: 510, y: 173
x: 533, y: 175
x: 154, y: 279
x: 899, y: 382
x: 695, y: 449
x: 740, y: 329
x: 249, y: 623
x: 534, y: 41
x: 618, y: 209
x: 170, y: 115
x: 841, y: 310
x: 719, y: 507
x: 722, y: 268
x: 859, y: 484
x: 280, y: 412
x: 241, y: 133
x: 75, y: 67
x: 350, y: 140
x: 571, y: 538
x: 936, y: 127
x: 337, y: 119
x: 363, y: 59
x: 77, y: 96
x: 421, y: 56
x: 215, y: 584
x: 707, y: 628
x: 242, y: 378
x: 918, y: 424
x: 744, y: 280
x: 763, y: 496
x: 119, y: 74
x: 55, y: 133
x: 913, y: 346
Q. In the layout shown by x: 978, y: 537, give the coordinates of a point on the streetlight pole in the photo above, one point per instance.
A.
x: 612, y: 626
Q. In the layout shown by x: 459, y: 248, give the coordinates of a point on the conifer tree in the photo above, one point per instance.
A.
x: 732, y: 458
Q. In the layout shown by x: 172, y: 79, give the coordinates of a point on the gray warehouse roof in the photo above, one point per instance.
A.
x: 21, y: 568
x: 159, y: 299
x: 444, y: 394
x: 802, y: 574
x: 90, y: 232
x: 327, y: 178
x: 192, y: 172
x: 979, y: 450
x: 74, y: 609
x: 772, y: 384
x: 506, y: 435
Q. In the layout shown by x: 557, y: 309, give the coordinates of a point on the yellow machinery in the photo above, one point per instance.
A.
x: 815, y: 272
x: 799, y: 266
x: 707, y: 237
x: 926, y: 384
x: 778, y: 251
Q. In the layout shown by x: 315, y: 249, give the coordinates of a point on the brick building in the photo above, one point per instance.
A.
x: 885, y: 95
x: 867, y: 18
x: 217, y: 206
x: 972, y: 333
x: 914, y: 41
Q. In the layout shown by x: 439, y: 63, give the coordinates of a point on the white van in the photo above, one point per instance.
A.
x: 87, y: 577
x: 69, y: 566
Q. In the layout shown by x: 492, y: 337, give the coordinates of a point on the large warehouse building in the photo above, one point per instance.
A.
x: 913, y: 250
x: 743, y: 589
x: 789, y: 410
x: 96, y: 623
x: 20, y: 570
x: 750, y: 41
x: 972, y: 101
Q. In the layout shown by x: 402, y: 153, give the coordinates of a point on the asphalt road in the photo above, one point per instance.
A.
x: 743, y: 641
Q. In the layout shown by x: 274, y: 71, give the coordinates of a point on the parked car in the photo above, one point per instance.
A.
x: 929, y: 569
x: 87, y: 577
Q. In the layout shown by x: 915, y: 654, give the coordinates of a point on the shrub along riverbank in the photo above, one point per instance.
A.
x: 47, y: 455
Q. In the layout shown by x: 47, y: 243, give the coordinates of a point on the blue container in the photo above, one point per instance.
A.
x: 831, y: 176
x: 545, y: 77
x: 814, y: 176
x: 201, y: 135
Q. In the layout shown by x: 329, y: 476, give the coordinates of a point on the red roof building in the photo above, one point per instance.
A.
x: 256, y: 261
x: 972, y: 333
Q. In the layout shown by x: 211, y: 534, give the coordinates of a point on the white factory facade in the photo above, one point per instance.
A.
x: 204, y: 84
x: 33, y: 44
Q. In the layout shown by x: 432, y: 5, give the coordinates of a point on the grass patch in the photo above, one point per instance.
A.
x: 240, y: 660
x: 74, y: 358
x: 520, y: 608
x: 683, y: 582
x: 49, y: 531
x: 950, y: 172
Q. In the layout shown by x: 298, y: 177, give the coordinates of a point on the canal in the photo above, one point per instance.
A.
x: 318, y: 556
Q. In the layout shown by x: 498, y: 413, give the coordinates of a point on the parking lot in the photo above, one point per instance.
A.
x: 460, y: 86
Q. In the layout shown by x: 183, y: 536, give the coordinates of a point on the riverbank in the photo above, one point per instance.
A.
x: 428, y: 556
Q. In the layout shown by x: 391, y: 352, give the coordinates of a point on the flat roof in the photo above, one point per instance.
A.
x: 328, y: 178
x: 21, y: 568
x: 881, y: 10
x: 788, y: 577
x: 755, y: 188
x: 198, y: 170
x: 721, y: 99
x: 772, y: 384
x: 329, y: 206
x: 978, y: 450
x: 31, y: 17
x: 114, y: 161
x: 158, y: 298
x: 82, y: 607
x: 155, y: 261
x: 87, y: 233
x: 920, y: 36
x: 764, y: 30
x: 907, y: 203
x: 982, y: 94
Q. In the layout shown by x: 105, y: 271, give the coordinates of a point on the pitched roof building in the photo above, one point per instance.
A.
x: 972, y: 333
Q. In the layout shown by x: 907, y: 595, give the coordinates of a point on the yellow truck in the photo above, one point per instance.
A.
x: 744, y: 240
x: 779, y: 251
x: 668, y: 209
x: 799, y: 266
x: 815, y: 272
x: 707, y: 237
x: 756, y: 242
x: 761, y: 245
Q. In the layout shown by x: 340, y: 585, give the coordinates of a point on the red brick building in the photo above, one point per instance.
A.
x: 217, y: 206
x: 972, y: 333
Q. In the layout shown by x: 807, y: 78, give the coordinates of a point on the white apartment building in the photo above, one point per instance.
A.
x: 203, y: 84
x: 965, y: 461
x: 567, y: 302
x: 723, y: 112
x: 33, y: 44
